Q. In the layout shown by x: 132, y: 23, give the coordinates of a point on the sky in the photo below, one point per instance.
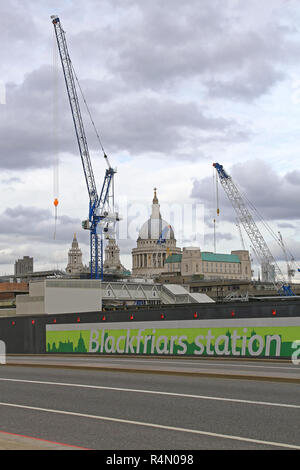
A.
x: 172, y: 87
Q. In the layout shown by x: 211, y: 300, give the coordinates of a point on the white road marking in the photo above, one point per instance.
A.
x: 152, y: 425
x: 153, y: 392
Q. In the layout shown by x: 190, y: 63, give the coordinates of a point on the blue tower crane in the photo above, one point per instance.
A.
x: 101, y: 211
x: 162, y: 237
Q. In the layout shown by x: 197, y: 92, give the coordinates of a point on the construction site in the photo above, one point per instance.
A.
x: 150, y: 228
x: 162, y: 273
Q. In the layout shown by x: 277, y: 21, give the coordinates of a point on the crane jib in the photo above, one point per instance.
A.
x: 271, y: 270
x: 75, y: 109
x: 97, y: 204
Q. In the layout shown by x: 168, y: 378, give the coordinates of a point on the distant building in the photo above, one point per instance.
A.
x: 75, y: 265
x: 112, y: 263
x: 23, y: 266
x: 9, y: 290
x: 156, y: 254
x: 155, y: 241
x: 208, y: 265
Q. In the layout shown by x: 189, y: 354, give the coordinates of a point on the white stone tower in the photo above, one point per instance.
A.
x: 75, y: 265
x: 112, y: 255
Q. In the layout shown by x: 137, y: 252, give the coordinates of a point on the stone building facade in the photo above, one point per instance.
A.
x: 23, y: 266
x: 75, y: 265
x: 155, y: 242
x: 157, y: 254
x: 193, y: 261
x: 112, y: 263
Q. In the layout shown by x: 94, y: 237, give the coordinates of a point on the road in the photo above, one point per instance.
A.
x: 111, y: 409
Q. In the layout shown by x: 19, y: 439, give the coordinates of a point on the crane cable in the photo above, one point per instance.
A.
x: 88, y: 111
x: 267, y: 226
x: 55, y: 115
x: 260, y: 217
x: 216, y: 204
x: 217, y: 194
x: 112, y: 204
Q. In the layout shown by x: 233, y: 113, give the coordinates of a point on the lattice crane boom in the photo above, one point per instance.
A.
x: 270, y: 270
x: 75, y: 108
x: 100, y: 214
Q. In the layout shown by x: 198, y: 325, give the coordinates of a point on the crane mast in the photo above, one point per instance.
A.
x: 270, y: 270
x: 100, y: 215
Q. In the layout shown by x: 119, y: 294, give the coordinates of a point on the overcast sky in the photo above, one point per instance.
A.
x: 173, y: 87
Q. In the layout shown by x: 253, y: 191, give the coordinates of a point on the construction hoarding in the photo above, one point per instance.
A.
x: 266, y: 337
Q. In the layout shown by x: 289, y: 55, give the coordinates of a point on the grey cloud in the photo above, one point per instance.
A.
x: 213, y: 43
x: 26, y: 130
x: 227, y: 45
x: 293, y: 177
x: 17, y: 26
x: 119, y: 60
x: 30, y: 231
x: 220, y: 236
x: 126, y: 246
x: 37, y: 225
x: 34, y: 120
x: 273, y: 195
x: 11, y: 181
x: 150, y: 124
x: 247, y: 85
x: 6, y: 258
x: 152, y: 49
x: 293, y: 252
x: 286, y: 225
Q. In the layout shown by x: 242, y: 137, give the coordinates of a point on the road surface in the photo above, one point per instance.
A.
x: 115, y: 410
x: 278, y: 370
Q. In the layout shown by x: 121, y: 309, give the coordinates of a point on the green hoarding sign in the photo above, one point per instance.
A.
x: 197, y: 338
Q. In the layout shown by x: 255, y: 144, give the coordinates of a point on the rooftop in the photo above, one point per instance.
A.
x: 207, y: 256
x: 219, y: 257
x: 174, y: 258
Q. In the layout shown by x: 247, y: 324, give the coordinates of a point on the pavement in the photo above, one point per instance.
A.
x: 10, y: 441
x: 231, y: 368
